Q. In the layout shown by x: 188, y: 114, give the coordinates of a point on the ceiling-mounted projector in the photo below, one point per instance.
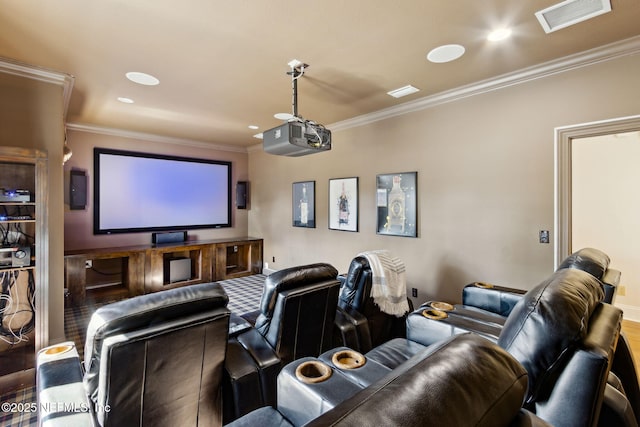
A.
x: 297, y: 137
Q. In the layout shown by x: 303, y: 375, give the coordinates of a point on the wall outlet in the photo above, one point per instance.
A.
x: 622, y: 290
x: 88, y: 263
x: 544, y: 236
x: 414, y: 292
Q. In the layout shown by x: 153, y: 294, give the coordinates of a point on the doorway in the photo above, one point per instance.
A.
x: 596, y: 198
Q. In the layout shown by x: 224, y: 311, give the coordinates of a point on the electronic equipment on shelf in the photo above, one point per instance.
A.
x: 15, y: 256
x: 17, y: 195
x: 15, y: 217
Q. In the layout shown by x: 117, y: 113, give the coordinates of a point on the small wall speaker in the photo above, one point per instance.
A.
x: 77, y: 189
x: 242, y: 194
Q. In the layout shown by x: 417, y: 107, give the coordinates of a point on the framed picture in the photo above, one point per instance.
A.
x: 304, y: 204
x: 343, y: 204
x: 396, y: 201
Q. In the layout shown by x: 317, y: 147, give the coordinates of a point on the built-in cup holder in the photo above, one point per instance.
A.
x: 348, y: 359
x: 442, y: 306
x: 434, y: 314
x: 483, y: 285
x: 58, y: 349
x: 313, y: 372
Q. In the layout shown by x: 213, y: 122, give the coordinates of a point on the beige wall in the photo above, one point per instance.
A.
x: 485, y: 177
x: 31, y: 116
x: 79, y: 223
x: 606, y: 209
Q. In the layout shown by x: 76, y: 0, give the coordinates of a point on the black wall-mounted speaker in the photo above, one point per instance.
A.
x: 242, y: 194
x: 77, y: 189
x: 169, y: 237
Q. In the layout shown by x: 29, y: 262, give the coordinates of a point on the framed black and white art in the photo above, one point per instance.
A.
x: 397, y: 205
x: 343, y: 204
x: 304, y: 204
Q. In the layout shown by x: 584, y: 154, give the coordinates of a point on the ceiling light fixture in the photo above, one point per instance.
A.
x: 499, y: 34
x: 125, y: 100
x: 403, y: 91
x: 142, y: 78
x: 254, y: 127
x: 446, y: 53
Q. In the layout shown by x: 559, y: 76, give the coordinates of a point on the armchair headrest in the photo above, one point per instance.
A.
x: 143, y: 311
x: 593, y: 261
x: 290, y: 278
x: 548, y: 322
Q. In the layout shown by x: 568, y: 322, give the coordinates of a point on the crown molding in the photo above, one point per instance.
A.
x: 9, y: 66
x: 605, y: 53
x: 152, y: 137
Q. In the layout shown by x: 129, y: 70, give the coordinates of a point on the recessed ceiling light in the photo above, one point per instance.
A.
x: 125, y: 100
x: 283, y: 116
x: 142, y: 78
x: 403, y: 91
x: 258, y: 135
x: 446, y: 53
x: 499, y: 34
x: 254, y: 127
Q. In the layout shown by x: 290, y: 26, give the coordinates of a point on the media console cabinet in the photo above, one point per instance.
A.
x: 143, y: 269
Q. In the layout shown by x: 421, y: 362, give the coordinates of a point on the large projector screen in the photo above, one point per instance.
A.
x: 146, y: 192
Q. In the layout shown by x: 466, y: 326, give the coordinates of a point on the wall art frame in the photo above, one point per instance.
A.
x: 304, y: 204
x: 343, y: 204
x: 397, y: 204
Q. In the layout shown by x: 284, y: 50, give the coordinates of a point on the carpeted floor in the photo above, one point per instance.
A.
x: 244, y: 296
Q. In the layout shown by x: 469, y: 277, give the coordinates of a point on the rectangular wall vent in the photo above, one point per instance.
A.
x: 571, y: 12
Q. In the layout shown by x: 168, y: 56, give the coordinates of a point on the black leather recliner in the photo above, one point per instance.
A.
x: 296, y: 319
x: 561, y: 332
x: 155, y: 359
x: 462, y: 381
x: 360, y: 324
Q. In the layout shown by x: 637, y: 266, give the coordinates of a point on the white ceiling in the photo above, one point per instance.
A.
x: 222, y: 64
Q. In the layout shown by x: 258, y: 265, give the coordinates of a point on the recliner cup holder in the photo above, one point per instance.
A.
x: 441, y: 306
x: 313, y: 372
x: 348, y: 359
x: 483, y: 285
x: 434, y: 314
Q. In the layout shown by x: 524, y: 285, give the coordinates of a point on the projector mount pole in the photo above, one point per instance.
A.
x: 297, y: 71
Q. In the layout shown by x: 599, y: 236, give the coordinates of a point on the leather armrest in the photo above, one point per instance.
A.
x: 267, y: 361
x: 62, y: 399
x: 237, y: 325
x: 345, y: 331
x: 616, y: 410
x: 496, y: 299
x: 361, y: 325
x: 242, y: 391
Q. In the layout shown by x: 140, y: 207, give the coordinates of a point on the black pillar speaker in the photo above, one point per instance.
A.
x: 77, y: 189
x: 242, y: 194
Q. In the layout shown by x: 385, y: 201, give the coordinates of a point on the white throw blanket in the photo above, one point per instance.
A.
x: 388, y: 287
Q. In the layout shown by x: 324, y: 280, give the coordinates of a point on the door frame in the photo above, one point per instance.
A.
x: 563, y: 140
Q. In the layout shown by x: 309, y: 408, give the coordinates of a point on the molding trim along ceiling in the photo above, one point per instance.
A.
x: 8, y: 66
x: 153, y: 137
x: 608, y: 52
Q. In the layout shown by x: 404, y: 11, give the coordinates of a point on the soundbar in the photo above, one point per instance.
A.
x: 169, y: 237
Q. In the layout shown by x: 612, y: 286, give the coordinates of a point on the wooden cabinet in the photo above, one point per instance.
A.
x: 23, y: 263
x: 137, y: 270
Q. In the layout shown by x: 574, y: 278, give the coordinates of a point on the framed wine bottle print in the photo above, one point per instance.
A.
x: 343, y: 204
x: 304, y: 204
x: 397, y: 204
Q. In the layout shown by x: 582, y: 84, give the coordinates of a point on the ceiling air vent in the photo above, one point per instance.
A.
x: 571, y: 12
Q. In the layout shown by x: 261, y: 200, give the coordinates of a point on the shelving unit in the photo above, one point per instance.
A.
x: 23, y: 263
x: 144, y: 268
